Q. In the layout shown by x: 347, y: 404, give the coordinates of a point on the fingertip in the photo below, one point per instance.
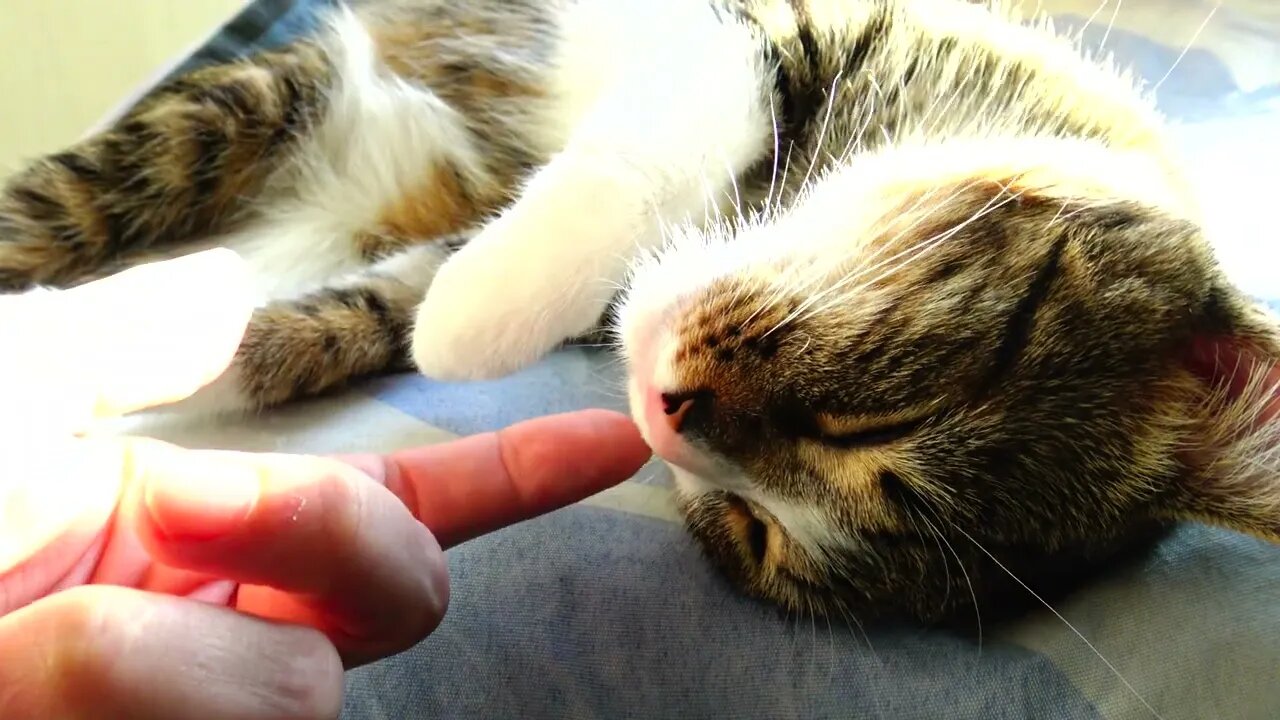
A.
x: 591, y: 450
x: 632, y: 442
x: 474, y: 485
x: 619, y: 433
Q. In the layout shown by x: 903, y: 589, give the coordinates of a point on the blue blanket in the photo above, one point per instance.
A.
x: 606, y: 609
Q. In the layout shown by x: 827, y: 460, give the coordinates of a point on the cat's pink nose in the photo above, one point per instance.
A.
x: 676, y: 406
x: 668, y: 419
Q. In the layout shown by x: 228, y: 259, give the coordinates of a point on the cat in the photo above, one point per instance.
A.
x: 912, y: 294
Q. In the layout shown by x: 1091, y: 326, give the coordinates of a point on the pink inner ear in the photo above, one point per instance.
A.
x: 1226, y: 362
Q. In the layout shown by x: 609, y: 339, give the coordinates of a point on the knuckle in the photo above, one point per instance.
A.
x: 435, y: 579
x: 307, y: 675
x: 343, y: 499
x: 90, y: 641
x: 427, y: 599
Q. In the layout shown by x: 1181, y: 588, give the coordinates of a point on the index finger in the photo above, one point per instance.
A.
x: 467, y: 488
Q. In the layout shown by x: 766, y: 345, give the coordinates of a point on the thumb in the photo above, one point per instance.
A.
x: 105, y: 652
x: 56, y: 502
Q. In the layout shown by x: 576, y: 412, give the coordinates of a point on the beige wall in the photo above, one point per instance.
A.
x: 64, y: 63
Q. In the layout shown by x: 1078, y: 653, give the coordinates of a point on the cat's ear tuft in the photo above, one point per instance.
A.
x: 1234, y: 451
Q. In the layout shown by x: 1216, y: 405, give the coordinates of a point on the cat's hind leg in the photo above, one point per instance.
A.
x: 177, y: 166
x: 356, y: 326
x: 344, y: 230
x: 304, y: 160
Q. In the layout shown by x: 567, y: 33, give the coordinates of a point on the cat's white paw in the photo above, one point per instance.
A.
x: 496, y: 307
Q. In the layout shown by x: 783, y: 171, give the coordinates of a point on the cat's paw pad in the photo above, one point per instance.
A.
x: 484, y: 318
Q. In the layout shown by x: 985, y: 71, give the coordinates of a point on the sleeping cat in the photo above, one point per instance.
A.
x: 913, y: 296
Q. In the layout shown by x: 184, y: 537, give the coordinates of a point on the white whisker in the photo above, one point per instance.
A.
x: 946, y: 564
x: 861, y: 268
x: 928, y: 245
x: 1057, y: 614
x: 973, y: 595
x: 822, y: 133
x: 777, y: 154
x: 1114, y: 14
x: 1187, y: 48
x: 913, y: 252
x: 1089, y: 22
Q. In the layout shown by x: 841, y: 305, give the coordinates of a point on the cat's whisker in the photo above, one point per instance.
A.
x: 708, y: 198
x: 786, y: 173
x: 921, y: 250
x: 849, y: 616
x: 831, y: 650
x: 1110, y: 25
x: 1186, y: 48
x: 918, y: 220
x: 946, y: 564
x: 854, y: 144
x: 811, y: 606
x: 833, y: 565
x: 1119, y: 676
x: 610, y: 385
x: 777, y: 152
x: 778, y: 292
x: 973, y: 594
x: 807, y: 342
x: 608, y: 389
x: 795, y: 281
x: 737, y: 195
x: 776, y: 295
x: 916, y: 252
x: 911, y: 252
x: 1088, y: 23
x: 818, y: 271
x: 614, y: 285
x: 822, y: 133
x: 1057, y: 215
x: 928, y: 115
x: 942, y: 113
x: 1084, y: 207
x: 815, y: 612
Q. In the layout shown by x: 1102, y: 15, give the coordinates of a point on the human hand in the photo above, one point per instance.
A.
x: 138, y: 579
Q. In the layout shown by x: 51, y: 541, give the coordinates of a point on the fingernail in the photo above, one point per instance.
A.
x: 439, y: 572
x: 369, y: 464
x: 203, y: 497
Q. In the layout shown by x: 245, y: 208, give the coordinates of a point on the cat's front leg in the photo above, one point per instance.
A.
x: 669, y: 132
x: 536, y: 276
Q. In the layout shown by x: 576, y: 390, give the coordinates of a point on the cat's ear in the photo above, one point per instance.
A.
x: 1233, y: 452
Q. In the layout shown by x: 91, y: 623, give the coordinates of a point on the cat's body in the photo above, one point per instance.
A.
x: 932, y: 289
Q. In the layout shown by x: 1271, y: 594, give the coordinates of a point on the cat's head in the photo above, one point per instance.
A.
x: 938, y: 364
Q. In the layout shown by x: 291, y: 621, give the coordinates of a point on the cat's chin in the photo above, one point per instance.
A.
x: 690, y: 484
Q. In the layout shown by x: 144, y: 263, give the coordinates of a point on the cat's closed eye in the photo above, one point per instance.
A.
x: 841, y: 435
